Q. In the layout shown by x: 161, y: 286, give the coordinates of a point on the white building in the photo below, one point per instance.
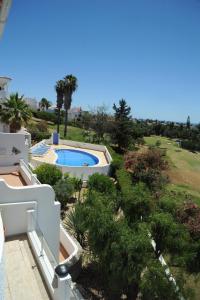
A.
x: 33, y: 242
x: 52, y: 109
x: 31, y: 232
x: 4, y: 82
x: 73, y: 113
x: 32, y: 102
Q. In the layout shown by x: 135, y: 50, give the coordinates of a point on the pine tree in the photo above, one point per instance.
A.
x: 188, y: 122
x: 122, y: 130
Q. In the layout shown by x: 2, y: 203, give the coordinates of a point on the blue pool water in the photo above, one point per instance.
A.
x: 75, y: 158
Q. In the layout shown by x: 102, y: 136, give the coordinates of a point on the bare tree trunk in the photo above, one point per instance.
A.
x: 58, y: 121
x: 66, y: 119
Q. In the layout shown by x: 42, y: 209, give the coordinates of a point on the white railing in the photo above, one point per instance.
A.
x: 59, y: 288
x: 27, y: 174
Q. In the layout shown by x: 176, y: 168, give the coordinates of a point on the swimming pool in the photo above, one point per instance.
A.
x: 75, y: 158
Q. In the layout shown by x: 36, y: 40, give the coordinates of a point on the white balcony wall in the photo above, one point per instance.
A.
x: 15, y: 201
x: 3, y: 95
x: 4, y: 128
x: 9, y: 142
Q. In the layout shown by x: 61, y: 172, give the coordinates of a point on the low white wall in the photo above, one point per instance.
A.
x: 85, y: 171
x: 4, y: 127
x: 68, y: 243
x: 82, y: 172
x: 48, y: 211
x: 59, y: 288
x: 83, y: 145
x: 7, y: 142
x: 8, y: 169
x: 14, y: 216
x: 27, y: 174
x: 43, y: 262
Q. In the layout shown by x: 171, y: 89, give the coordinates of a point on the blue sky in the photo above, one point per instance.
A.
x: 146, y: 51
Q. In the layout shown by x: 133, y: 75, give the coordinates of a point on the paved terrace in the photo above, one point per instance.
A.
x: 23, y: 280
x: 13, y: 179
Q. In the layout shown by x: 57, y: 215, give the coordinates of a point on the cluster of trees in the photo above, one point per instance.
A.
x: 147, y: 166
x: 117, y: 129
x: 65, y: 187
x: 122, y: 130
x: 115, y: 223
x: 189, y: 136
x: 44, y: 104
x: 38, y: 131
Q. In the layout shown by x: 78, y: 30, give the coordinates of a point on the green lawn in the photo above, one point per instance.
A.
x: 184, y: 171
x: 73, y: 133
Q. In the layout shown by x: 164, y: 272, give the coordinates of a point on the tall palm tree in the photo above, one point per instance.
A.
x: 15, y: 112
x: 70, y: 87
x: 59, y: 87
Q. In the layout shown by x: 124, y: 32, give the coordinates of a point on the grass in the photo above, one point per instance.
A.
x: 184, y: 174
x: 73, y: 133
x: 184, y: 171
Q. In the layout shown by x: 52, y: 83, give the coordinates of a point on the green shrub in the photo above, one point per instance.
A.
x: 42, y: 126
x: 39, y: 131
x: 116, y: 164
x: 101, y: 183
x: 136, y: 199
x: 158, y: 143
x: 39, y: 136
x: 48, y: 174
x: 147, y: 166
x: 64, y: 189
x: 44, y: 115
x: 74, y: 223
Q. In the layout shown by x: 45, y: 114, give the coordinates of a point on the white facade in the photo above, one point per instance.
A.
x: 4, y: 81
x: 32, y: 102
x: 74, y: 113
x: 32, y: 209
x: 13, y: 147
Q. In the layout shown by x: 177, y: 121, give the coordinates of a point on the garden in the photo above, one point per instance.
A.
x: 115, y: 220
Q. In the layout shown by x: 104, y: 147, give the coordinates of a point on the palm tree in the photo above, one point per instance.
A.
x: 59, y: 87
x: 15, y: 112
x: 69, y: 88
x: 48, y: 104
x: 44, y: 104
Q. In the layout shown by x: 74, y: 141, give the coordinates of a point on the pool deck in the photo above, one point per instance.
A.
x: 50, y: 156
